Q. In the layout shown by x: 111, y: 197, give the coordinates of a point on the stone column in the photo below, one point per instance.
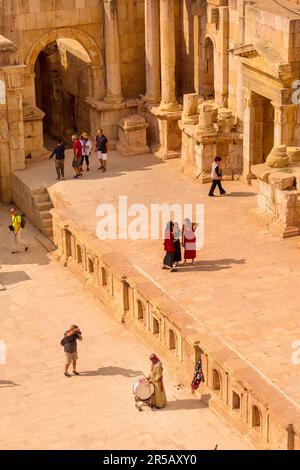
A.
x: 248, y: 141
x: 285, y: 117
x: 240, y: 95
x: 168, y: 56
x: 152, y: 51
x: 112, y: 54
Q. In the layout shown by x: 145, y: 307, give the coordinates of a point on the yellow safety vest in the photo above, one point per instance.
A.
x: 16, y: 222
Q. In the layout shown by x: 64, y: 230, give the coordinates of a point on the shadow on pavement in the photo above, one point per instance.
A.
x: 110, y: 370
x: 239, y: 194
x: 8, y: 383
x: 13, y: 277
x: 211, y: 265
x: 187, y: 404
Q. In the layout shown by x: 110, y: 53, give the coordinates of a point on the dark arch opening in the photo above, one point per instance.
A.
x: 208, y: 70
x: 140, y: 310
x: 256, y: 417
x: 104, y: 277
x: 63, y: 78
x: 216, y: 381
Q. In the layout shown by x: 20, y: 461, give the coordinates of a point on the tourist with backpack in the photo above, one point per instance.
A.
x: 16, y: 228
x: 69, y: 343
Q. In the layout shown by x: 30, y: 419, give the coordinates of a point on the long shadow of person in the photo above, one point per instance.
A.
x: 111, y: 370
x: 8, y: 383
x: 211, y: 265
x: 187, y: 404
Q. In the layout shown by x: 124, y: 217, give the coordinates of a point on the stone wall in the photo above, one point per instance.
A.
x: 74, y: 20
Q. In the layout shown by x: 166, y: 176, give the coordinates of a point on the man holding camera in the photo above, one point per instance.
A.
x: 69, y: 342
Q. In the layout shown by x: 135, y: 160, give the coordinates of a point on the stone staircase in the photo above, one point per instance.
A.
x: 43, y: 205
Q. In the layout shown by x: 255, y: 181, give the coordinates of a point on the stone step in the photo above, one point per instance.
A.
x: 45, y: 215
x: 47, y: 223
x: 39, y: 191
x: 49, y: 233
x: 41, y: 197
x: 44, y: 206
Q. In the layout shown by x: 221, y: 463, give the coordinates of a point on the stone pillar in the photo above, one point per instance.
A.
x: 97, y: 90
x: 167, y: 49
x: 190, y: 109
x: 285, y: 117
x: 152, y: 51
x: 112, y: 54
x: 240, y: 96
x: 248, y: 141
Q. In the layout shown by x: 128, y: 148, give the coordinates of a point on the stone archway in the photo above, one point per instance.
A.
x: 71, y: 33
x: 43, y: 61
x: 85, y: 40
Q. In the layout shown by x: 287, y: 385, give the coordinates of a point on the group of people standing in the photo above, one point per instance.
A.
x: 82, y: 151
x: 175, y: 239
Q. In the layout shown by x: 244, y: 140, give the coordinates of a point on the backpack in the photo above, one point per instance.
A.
x: 23, y: 221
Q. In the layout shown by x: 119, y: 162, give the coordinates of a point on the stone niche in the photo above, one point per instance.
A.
x: 132, y: 135
x: 33, y: 131
x: 278, y: 200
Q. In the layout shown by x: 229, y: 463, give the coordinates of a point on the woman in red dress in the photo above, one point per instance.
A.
x: 189, y: 240
x: 169, y: 247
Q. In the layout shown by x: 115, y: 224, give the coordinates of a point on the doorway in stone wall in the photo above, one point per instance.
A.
x: 63, y: 77
x: 263, y: 141
x: 208, y: 74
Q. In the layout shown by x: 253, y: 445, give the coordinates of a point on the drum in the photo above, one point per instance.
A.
x: 143, y: 389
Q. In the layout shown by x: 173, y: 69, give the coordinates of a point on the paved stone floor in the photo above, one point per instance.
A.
x: 41, y: 409
x: 245, y: 285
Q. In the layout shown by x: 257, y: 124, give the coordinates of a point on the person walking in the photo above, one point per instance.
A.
x: 77, y: 150
x: 177, y: 244
x: 169, y: 247
x: 159, y: 398
x: 59, y: 153
x: 189, y: 241
x: 86, y: 150
x: 16, y: 228
x: 216, y: 176
x: 69, y: 342
x: 102, y: 149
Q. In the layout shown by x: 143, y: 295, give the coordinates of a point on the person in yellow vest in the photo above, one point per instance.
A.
x: 16, y: 232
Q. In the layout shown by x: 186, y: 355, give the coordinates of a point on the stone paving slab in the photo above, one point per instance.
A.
x: 41, y: 409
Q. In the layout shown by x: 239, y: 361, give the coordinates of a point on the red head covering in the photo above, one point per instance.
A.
x: 154, y: 359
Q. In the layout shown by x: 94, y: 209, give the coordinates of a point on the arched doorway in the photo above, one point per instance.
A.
x: 62, y: 84
x: 208, y: 70
x: 64, y: 68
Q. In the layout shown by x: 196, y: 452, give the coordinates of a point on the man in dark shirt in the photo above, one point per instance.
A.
x: 102, y: 149
x: 216, y: 177
x: 59, y: 153
x: 70, y: 347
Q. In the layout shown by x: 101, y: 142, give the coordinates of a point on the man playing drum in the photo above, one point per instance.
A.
x: 158, y: 399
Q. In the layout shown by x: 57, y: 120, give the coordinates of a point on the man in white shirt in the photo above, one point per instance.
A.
x: 86, y: 150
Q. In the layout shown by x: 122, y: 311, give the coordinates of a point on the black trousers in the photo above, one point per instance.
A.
x: 216, y: 183
x: 87, y: 160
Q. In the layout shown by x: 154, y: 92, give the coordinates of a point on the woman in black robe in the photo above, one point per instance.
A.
x: 177, y: 243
